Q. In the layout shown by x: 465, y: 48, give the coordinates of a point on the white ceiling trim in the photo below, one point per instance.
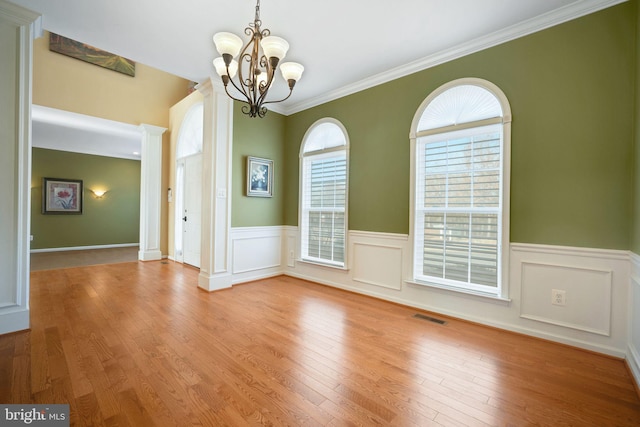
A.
x: 21, y: 15
x: 530, y: 26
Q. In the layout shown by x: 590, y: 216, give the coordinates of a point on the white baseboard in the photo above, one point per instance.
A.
x: 633, y: 349
x: 633, y: 361
x: 85, y: 248
x: 13, y: 319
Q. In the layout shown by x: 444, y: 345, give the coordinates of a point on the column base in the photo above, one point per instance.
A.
x: 149, y: 255
x: 215, y: 282
x: 14, y: 319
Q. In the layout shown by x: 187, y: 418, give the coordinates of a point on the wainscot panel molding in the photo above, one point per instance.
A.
x: 257, y: 253
x: 633, y: 350
x: 605, y: 283
x: 595, y: 281
x: 587, y: 291
x: 378, y: 265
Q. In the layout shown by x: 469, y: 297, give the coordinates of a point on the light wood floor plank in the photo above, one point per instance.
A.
x: 138, y: 344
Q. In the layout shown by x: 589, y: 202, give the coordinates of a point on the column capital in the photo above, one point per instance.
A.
x: 211, y: 86
x: 152, y: 130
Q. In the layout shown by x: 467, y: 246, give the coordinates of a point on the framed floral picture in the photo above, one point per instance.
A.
x: 61, y: 196
x: 259, y: 177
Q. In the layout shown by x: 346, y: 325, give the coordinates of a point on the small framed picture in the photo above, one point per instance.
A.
x: 259, y: 177
x: 61, y: 196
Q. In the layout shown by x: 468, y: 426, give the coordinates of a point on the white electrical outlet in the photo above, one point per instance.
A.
x: 558, y: 297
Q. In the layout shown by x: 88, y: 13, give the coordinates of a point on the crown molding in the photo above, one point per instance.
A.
x: 18, y: 14
x: 564, y: 14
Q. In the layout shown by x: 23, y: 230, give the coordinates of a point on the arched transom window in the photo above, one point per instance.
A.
x: 190, y: 136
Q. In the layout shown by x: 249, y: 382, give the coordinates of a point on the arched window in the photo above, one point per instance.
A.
x: 324, y: 165
x: 460, y: 145
x: 190, y: 134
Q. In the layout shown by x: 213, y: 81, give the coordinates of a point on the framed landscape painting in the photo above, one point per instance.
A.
x: 90, y: 54
x: 259, y: 177
x: 61, y: 196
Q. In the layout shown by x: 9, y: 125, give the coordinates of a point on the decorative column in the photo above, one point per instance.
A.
x: 17, y: 28
x: 150, y: 192
x: 215, y: 271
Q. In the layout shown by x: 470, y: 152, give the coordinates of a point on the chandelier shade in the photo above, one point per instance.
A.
x: 255, y: 67
x: 291, y: 71
x: 227, y: 43
x: 221, y: 67
x: 273, y: 46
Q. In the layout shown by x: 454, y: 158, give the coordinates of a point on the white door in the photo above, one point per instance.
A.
x: 192, y: 211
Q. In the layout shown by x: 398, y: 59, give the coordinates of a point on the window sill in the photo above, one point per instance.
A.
x: 452, y: 289
x: 322, y: 264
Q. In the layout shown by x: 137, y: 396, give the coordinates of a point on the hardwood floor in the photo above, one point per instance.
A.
x: 138, y: 344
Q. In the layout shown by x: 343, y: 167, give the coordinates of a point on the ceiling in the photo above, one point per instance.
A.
x: 345, y: 46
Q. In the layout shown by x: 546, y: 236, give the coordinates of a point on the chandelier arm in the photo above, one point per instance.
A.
x: 280, y: 100
x: 239, y: 89
x: 233, y: 97
x: 266, y: 85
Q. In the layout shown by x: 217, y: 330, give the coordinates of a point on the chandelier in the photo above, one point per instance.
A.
x: 256, y: 66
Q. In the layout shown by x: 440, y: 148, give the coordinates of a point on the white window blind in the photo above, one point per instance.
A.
x: 323, y: 207
x: 459, y: 207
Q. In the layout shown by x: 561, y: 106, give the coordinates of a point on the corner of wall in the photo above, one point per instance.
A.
x: 633, y: 349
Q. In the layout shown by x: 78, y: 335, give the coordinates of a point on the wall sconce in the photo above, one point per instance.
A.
x: 99, y: 193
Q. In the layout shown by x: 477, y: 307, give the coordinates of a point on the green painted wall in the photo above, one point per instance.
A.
x: 113, y: 219
x: 257, y: 138
x: 572, y: 99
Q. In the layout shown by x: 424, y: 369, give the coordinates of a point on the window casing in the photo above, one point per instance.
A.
x: 460, y: 169
x: 323, y: 194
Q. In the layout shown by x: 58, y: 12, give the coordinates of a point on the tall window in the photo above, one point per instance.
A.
x: 323, y: 193
x: 460, y: 142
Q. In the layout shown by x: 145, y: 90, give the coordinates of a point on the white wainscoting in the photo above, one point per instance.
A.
x: 256, y: 253
x: 377, y: 260
x: 602, y: 306
x: 587, y: 296
x: 633, y: 350
x: 596, y: 283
